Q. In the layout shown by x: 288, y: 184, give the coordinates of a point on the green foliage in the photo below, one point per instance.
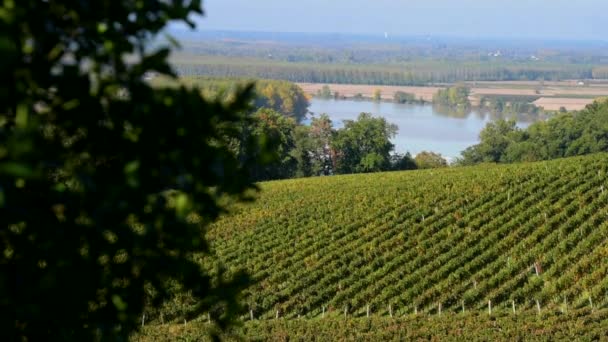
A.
x: 565, y: 135
x: 106, y: 184
x: 321, y: 135
x: 416, y: 72
x: 284, y: 97
x: 495, y: 139
x: 401, y: 162
x: 418, y: 238
x: 509, y: 105
x: 275, y: 132
x: 364, y: 145
x: 324, y: 92
x: 430, y: 160
x: 455, y: 96
x: 281, y: 96
x: 403, y: 97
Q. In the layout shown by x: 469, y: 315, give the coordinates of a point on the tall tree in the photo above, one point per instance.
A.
x: 430, y: 160
x: 277, y: 132
x: 364, y: 145
x: 106, y: 184
x: 322, y: 155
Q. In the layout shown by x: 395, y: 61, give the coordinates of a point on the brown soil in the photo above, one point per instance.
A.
x: 554, y: 95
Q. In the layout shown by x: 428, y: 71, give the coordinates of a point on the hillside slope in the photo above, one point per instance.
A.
x: 404, y: 242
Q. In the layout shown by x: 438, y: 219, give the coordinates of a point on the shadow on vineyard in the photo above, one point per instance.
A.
x: 577, y: 325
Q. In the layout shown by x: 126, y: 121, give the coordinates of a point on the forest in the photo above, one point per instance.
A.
x: 405, y: 73
x: 359, y: 59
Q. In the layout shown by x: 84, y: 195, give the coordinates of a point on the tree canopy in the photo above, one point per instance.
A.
x: 430, y: 160
x: 281, y: 96
x: 107, y: 184
x: 565, y: 135
x: 363, y: 145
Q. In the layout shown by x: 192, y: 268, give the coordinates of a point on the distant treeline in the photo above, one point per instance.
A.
x: 565, y: 135
x: 281, y: 96
x: 414, y: 73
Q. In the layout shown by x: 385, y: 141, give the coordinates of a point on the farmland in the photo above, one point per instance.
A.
x: 526, y: 238
x: 582, y: 324
x: 550, y: 96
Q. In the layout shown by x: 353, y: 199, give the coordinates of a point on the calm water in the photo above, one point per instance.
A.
x: 421, y: 127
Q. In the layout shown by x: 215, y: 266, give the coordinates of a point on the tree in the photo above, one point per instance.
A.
x: 403, y: 162
x: 456, y: 96
x: 403, y: 97
x: 495, y: 138
x: 107, y: 184
x: 324, y: 92
x: 377, y: 95
x: 364, y: 145
x: 321, y: 137
x: 284, y: 97
x: 302, y: 151
x: 276, y: 132
x: 430, y: 160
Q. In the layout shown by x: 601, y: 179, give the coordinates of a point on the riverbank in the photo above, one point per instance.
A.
x: 551, y: 96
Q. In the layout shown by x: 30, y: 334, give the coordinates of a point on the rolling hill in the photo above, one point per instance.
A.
x: 515, y: 239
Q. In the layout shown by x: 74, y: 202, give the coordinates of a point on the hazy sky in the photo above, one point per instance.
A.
x: 556, y: 19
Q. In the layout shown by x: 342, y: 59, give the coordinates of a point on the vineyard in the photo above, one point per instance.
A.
x: 495, y: 239
x: 579, y: 325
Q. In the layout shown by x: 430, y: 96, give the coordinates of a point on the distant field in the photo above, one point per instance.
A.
x: 551, y: 95
x: 351, y: 90
x: 419, y: 77
x: 555, y: 103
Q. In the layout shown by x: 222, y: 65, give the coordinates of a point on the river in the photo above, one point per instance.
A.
x: 421, y: 126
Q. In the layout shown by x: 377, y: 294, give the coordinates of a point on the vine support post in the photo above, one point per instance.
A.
x: 277, y: 315
x: 345, y: 310
x: 490, y: 307
x: 463, y: 306
x: 251, y: 315
x: 143, y: 320
x: 513, y: 305
x: 323, y: 312
x: 367, y: 311
x: 416, y: 310
x: 390, y: 310
x: 565, y: 306
x: 208, y: 318
x: 162, y: 321
x: 538, y: 306
x: 439, y: 309
x: 590, y: 302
